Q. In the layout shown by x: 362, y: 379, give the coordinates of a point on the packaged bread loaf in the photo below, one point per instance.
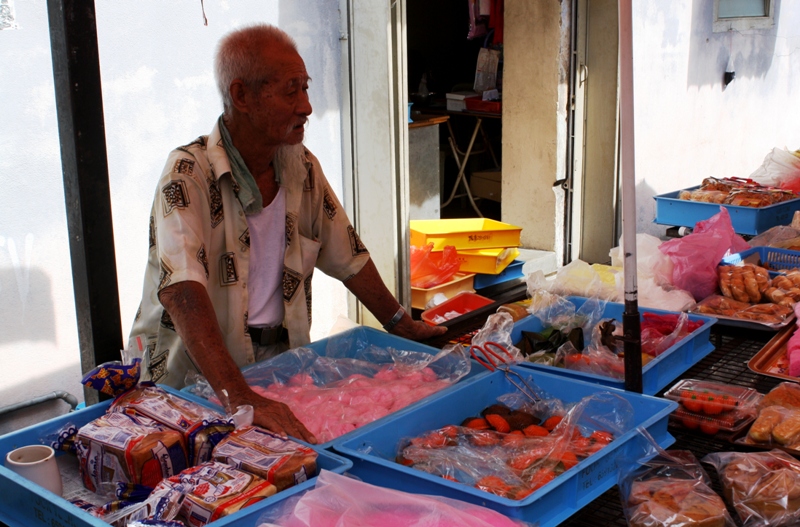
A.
x: 201, y: 427
x: 214, y: 490
x: 763, y: 487
x: 121, y: 448
x: 282, y: 462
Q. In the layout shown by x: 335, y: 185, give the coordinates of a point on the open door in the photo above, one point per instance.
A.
x: 594, y: 217
x: 373, y: 36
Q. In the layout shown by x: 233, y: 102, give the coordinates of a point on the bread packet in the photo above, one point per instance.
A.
x: 123, y: 448
x: 201, y: 427
x: 282, y: 462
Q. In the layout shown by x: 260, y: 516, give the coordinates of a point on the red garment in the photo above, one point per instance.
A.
x: 496, y: 20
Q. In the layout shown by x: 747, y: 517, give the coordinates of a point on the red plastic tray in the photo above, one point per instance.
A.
x: 475, y: 104
x: 462, y: 303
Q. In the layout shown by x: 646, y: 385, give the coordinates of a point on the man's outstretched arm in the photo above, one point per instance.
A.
x: 195, y: 321
x: 369, y: 288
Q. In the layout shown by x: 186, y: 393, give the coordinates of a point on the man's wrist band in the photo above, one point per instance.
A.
x: 395, y: 319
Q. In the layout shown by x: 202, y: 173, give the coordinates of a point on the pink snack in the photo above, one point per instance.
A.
x: 342, y: 406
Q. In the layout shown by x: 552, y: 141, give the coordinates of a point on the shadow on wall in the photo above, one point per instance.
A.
x: 646, y: 211
x: 40, y: 412
x: 316, y: 31
x: 750, y: 52
x: 26, y: 310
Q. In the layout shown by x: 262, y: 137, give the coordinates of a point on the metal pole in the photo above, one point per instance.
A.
x: 630, y: 318
x: 79, y: 103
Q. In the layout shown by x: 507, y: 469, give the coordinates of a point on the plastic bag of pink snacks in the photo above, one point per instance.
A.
x: 339, y: 501
x: 352, y: 384
x: 793, y: 349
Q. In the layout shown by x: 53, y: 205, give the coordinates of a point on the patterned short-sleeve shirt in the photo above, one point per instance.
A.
x: 198, y: 232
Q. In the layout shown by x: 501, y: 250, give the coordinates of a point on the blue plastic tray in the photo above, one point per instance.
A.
x: 373, y: 451
x: 657, y: 373
x: 512, y: 271
x: 372, y: 336
x: 24, y: 504
x: 774, y: 259
x: 746, y: 220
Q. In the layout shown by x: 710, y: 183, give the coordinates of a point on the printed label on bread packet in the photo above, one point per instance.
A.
x: 300, y: 476
x: 163, y: 412
x: 269, y: 442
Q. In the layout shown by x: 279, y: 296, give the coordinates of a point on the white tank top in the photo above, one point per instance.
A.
x: 267, y: 248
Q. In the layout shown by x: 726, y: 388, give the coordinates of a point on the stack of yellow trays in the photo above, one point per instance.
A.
x: 484, y: 246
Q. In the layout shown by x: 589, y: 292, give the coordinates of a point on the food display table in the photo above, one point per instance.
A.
x: 726, y: 364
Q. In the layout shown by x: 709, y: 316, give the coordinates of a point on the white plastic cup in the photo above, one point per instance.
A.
x: 36, y: 463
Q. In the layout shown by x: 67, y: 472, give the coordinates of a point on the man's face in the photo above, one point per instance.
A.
x: 281, y: 107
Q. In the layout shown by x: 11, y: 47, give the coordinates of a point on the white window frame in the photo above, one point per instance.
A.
x: 744, y: 23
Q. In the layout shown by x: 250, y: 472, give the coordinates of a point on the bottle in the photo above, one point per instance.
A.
x: 423, y: 86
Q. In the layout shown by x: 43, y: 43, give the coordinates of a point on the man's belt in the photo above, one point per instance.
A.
x: 267, y: 336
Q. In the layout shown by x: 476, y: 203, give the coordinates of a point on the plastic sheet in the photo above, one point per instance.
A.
x: 506, y: 455
x: 695, y: 257
x: 355, y: 383
x: 340, y: 501
x: 763, y: 487
x: 430, y: 269
x: 671, y: 489
x: 777, y: 236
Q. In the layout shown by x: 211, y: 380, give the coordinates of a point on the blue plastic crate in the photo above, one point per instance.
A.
x: 373, y: 451
x: 774, y: 259
x: 657, y: 373
x: 370, y: 336
x: 746, y: 220
x: 24, y: 504
x: 512, y: 271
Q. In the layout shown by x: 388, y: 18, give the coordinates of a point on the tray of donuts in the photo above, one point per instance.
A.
x: 750, y: 297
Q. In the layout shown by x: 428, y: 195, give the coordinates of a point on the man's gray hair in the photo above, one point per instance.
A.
x: 238, y: 57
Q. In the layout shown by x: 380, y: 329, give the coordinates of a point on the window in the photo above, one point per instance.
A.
x: 742, y: 14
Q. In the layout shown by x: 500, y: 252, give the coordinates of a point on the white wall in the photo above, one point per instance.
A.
x: 158, y: 93
x: 687, y: 125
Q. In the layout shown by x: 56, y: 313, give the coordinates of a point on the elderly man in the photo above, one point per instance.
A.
x: 240, y: 219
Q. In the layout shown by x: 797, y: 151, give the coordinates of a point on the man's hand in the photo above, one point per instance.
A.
x: 416, y: 330
x: 274, y: 416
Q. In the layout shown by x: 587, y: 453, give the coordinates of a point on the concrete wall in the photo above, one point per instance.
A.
x: 534, y: 117
x: 158, y: 91
x: 688, y: 126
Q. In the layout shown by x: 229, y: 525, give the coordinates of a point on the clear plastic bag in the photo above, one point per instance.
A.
x: 776, y: 236
x: 780, y: 168
x: 503, y: 454
x: 670, y: 489
x: 340, y: 501
x: 355, y: 383
x: 763, y: 487
x: 577, y: 278
x: 429, y: 269
x: 650, y: 261
x: 497, y: 329
x: 695, y: 257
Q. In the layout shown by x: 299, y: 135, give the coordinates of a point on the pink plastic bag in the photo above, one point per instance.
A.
x: 695, y: 257
x: 429, y: 269
x: 339, y: 501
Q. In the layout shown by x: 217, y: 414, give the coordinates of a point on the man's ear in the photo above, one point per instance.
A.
x: 239, y: 92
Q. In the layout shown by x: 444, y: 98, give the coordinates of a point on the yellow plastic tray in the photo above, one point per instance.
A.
x: 486, y: 261
x: 461, y: 282
x: 469, y: 233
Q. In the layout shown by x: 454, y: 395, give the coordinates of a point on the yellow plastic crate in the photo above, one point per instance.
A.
x: 486, y: 261
x: 461, y: 282
x: 468, y: 233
